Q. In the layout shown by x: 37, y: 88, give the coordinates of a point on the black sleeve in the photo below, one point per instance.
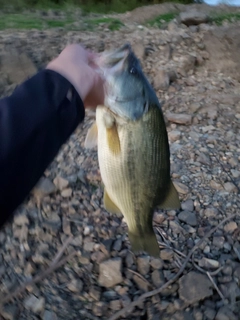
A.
x: 34, y: 123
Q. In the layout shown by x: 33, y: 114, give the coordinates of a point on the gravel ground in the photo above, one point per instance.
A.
x: 80, y: 253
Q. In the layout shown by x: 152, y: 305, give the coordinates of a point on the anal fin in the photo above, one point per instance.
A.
x: 172, y: 200
x: 110, y: 205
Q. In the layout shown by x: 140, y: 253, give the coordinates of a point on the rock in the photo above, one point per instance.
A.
x: 174, y: 135
x: 204, y: 159
x: 34, y: 304
x: 139, y: 50
x: 188, y: 217
x: 142, y: 285
x: 117, y: 245
x: 187, y: 65
x: 211, y: 212
x: 60, y: 182
x: 230, y: 187
x: 218, y: 241
x: 129, y: 260
x: 161, y: 80
x: 21, y: 220
x: 235, y: 173
x: 53, y: 222
x: 49, y: 315
x: 10, y: 312
x: 187, y: 205
x: 225, y: 313
x: 215, y: 185
x: 115, y: 305
x: 208, y: 263
x: 16, y: 66
x: 210, y: 313
x: 110, y: 272
x: 43, y: 188
x: 230, y: 227
x: 157, y: 278
x: 66, y: 193
x: 156, y: 263
x: 75, y: 285
x: 194, y: 287
x: 179, y: 118
x: 166, y: 254
x: 180, y: 187
x: 193, y: 18
x: 143, y: 264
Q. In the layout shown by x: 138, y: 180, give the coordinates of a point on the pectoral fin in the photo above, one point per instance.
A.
x: 92, y: 137
x: 109, y: 204
x: 113, y: 140
x: 172, y: 199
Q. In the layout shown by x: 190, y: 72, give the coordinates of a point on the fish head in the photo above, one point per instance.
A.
x: 128, y: 93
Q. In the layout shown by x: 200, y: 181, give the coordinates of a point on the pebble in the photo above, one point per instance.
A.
x: 187, y: 205
x: 208, y: 263
x: 215, y: 185
x: 66, y: 193
x: 34, y: 304
x: 156, y: 263
x: 143, y: 265
x: 180, y: 187
x: 43, y: 188
x: 141, y: 284
x: 211, y: 212
x: 110, y: 272
x: 60, y: 183
x: 157, y: 278
x: 179, y: 118
x: 188, y: 217
x: 10, y: 312
x: 49, y: 315
x: 75, y: 285
x: 230, y: 227
x: 166, y: 254
x: 174, y: 135
x: 230, y: 187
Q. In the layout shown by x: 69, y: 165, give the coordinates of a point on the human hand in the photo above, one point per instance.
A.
x: 76, y: 64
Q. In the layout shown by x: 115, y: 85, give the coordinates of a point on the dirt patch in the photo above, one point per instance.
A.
x: 223, y: 45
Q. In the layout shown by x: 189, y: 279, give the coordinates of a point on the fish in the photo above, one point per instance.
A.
x: 133, y: 149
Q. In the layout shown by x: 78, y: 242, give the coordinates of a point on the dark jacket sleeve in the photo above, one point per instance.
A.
x: 34, y: 123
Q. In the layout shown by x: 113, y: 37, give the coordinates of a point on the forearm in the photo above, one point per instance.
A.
x: 34, y: 123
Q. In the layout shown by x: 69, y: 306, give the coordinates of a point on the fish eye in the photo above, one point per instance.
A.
x: 133, y: 70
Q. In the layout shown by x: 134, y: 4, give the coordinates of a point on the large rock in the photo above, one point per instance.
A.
x: 110, y: 272
x: 194, y: 287
x: 193, y: 18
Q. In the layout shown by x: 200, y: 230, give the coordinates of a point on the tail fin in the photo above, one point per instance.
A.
x: 147, y: 243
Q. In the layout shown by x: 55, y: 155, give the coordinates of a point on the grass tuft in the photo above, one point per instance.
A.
x: 161, y: 20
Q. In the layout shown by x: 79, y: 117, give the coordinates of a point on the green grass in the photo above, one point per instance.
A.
x: 27, y: 21
x: 231, y: 17
x: 35, y: 21
x: 110, y: 23
x: 161, y: 20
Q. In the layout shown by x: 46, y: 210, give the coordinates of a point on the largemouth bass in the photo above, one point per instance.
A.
x: 133, y: 148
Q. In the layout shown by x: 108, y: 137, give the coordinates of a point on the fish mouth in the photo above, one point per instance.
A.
x: 114, y: 58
